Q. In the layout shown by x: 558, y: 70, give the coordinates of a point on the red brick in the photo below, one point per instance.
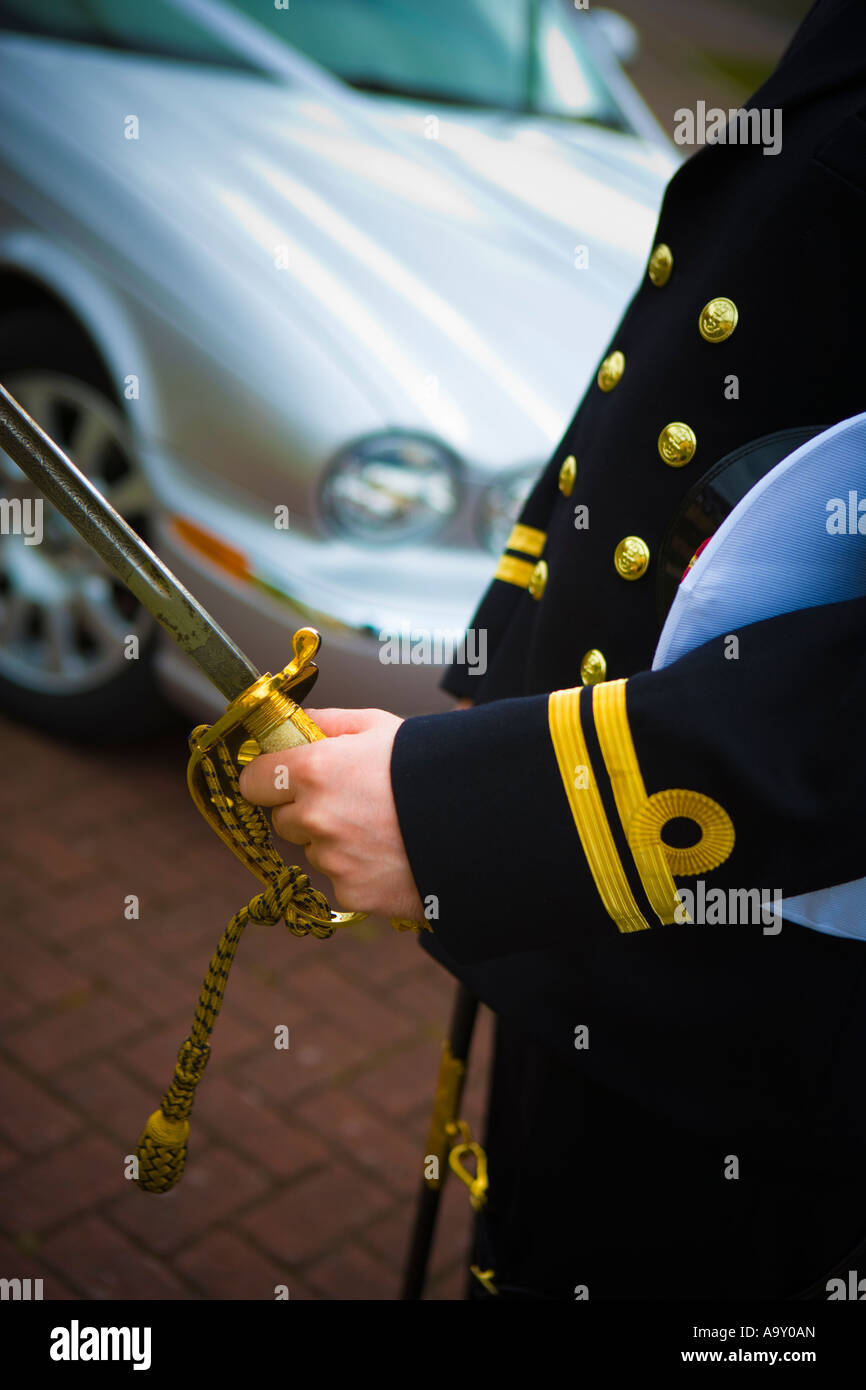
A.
x: 51, y: 855
x: 353, y: 1274
x: 181, y: 855
x: 481, y: 1052
x: 180, y: 876
x: 454, y: 1227
x: 322, y: 987
x: 215, y: 1184
x: 120, y: 961
x: 374, y: 952
x: 84, y: 909
x: 474, y: 1104
x: 314, y: 1215
x: 245, y: 1121
x: 187, y: 926
x: 30, y: 1118
x: 41, y: 974
x: 14, y: 1008
x: 428, y: 996
x: 404, y: 1081
x: 223, y: 1265
x: 449, y: 1287
x: 264, y: 1001
x: 375, y: 1144
x: 103, y: 1264
x: 111, y: 1099
x: 72, y: 1179
x: 274, y: 954
x: 16, y: 1264
x: 319, y: 1052
x: 181, y: 944
x: 8, y: 1158
x: 389, y: 1238
x: 87, y: 1024
x: 154, y: 1056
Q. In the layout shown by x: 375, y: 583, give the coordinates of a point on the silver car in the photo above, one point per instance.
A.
x: 311, y: 291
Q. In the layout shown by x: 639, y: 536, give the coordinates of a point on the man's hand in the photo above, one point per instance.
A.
x: 334, y: 797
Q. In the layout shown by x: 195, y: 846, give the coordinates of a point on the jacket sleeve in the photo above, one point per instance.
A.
x: 590, y: 810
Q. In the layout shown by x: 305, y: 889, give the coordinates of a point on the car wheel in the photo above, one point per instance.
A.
x: 76, y: 649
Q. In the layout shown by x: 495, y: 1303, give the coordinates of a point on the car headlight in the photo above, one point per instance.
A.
x: 501, y: 505
x: 391, y: 487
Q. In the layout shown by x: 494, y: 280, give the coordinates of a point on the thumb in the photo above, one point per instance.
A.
x: 334, y: 722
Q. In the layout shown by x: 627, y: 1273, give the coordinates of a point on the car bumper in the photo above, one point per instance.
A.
x: 386, y: 659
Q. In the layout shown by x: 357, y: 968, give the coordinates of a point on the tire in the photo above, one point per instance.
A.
x: 97, y: 696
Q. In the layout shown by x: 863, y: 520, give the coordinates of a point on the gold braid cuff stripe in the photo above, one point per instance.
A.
x: 643, y: 818
x: 584, y: 799
x: 514, y: 571
x: 527, y: 539
x: 629, y: 793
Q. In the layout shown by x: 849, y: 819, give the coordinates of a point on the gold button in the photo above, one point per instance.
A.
x: 661, y: 264
x: 593, y: 667
x: 677, y: 443
x: 567, y: 475
x: 718, y: 320
x: 631, y: 557
x: 611, y: 370
x: 538, y: 580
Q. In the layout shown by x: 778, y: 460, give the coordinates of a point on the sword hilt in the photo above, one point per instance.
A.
x: 266, y: 717
x: 294, y: 728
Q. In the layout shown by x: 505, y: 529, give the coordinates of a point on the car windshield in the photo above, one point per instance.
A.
x: 507, y: 55
x: 514, y: 55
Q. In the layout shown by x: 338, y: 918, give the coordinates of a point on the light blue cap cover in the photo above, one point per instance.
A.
x: 792, y: 542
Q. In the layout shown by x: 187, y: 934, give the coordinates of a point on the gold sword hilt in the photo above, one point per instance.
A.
x: 263, y: 719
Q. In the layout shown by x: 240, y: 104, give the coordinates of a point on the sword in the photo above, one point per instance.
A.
x: 259, y: 704
x: 263, y: 714
x: 106, y: 532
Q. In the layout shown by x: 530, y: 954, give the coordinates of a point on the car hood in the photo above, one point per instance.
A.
x: 466, y: 267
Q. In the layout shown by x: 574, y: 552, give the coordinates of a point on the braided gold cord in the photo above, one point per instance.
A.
x: 290, y: 896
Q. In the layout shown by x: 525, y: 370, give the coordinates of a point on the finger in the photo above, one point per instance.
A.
x: 267, y: 780
x: 313, y: 856
x: 334, y: 722
x: 291, y: 826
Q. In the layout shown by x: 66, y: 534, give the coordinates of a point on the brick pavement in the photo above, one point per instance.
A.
x: 304, y: 1162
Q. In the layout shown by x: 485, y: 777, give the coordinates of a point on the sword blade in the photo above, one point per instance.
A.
x: 125, y: 553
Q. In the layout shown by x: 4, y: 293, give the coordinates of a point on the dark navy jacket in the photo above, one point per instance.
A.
x: 610, y: 1163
